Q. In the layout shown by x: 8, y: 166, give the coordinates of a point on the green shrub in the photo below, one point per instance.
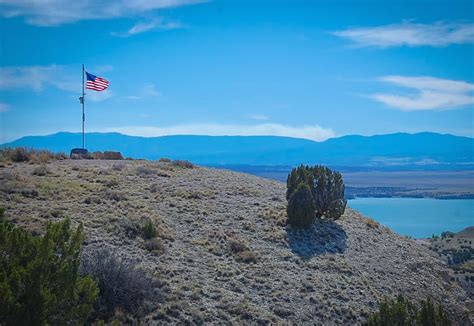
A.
x: 402, y: 312
x: 326, y: 190
x: 39, y: 280
x: 430, y: 314
x: 300, y: 207
x: 149, y: 230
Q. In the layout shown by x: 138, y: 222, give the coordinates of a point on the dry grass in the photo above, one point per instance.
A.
x: 22, y: 154
x: 154, y: 245
x: 221, y: 245
x: 107, y: 155
x: 182, y: 164
x: 372, y: 224
x: 41, y: 171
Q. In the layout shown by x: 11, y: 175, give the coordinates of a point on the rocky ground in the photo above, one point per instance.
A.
x: 457, y: 250
x: 225, y: 254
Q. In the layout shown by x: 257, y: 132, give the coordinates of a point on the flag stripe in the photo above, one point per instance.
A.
x: 96, y: 83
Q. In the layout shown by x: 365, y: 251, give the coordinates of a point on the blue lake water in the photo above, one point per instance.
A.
x: 418, y: 217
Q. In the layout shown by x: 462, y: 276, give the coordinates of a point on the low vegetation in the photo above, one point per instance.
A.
x: 313, y: 193
x: 402, y: 312
x: 210, y: 246
x: 39, y: 276
x: 22, y: 154
x: 41, y: 171
x: 182, y: 164
x: 107, y: 155
x: 149, y: 230
x: 123, y: 286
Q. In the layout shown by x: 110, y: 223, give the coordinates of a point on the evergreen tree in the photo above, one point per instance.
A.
x: 327, y: 192
x: 39, y: 280
x: 300, y: 207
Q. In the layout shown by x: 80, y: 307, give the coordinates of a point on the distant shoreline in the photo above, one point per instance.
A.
x: 442, y: 184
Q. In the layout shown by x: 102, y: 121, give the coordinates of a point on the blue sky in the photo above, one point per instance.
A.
x: 312, y: 69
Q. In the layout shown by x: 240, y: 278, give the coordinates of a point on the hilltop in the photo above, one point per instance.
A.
x: 467, y: 233
x: 392, y: 151
x: 225, y: 254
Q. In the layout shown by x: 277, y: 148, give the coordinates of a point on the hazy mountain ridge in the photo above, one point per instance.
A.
x: 390, y: 150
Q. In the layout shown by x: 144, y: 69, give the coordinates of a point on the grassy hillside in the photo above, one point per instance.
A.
x: 222, y: 252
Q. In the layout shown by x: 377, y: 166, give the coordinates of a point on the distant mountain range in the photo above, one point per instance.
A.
x: 387, y: 151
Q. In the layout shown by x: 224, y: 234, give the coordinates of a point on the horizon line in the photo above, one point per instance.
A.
x: 242, y: 136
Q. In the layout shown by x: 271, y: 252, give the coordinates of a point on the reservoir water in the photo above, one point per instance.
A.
x: 418, y: 217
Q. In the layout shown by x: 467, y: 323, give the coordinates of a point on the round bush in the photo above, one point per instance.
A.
x: 300, y: 207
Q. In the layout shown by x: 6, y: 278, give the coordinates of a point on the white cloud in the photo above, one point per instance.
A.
x: 430, y: 83
x: 312, y: 132
x: 430, y: 93
x: 4, y: 107
x: 438, y: 34
x: 148, y: 90
x: 261, y: 117
x: 103, y: 68
x: 58, y: 12
x: 99, y: 96
x: 142, y: 27
x: 37, y: 78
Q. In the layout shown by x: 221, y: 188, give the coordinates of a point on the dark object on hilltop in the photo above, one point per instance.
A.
x: 107, y: 155
x: 39, y: 279
x: 182, y: 164
x: 80, y: 153
x: 315, y: 189
x: 402, y: 312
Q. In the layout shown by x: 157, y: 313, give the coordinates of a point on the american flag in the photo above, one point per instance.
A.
x: 96, y: 83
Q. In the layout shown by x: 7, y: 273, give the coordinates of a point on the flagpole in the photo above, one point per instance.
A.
x: 83, y: 114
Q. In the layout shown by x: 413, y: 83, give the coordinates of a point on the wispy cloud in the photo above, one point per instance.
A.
x: 261, y: 117
x: 38, y: 78
x: 103, y: 68
x: 313, y: 132
x: 142, y: 27
x: 430, y: 93
x: 58, y: 12
x: 4, y: 107
x: 148, y: 90
x: 99, y: 96
x: 438, y: 34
